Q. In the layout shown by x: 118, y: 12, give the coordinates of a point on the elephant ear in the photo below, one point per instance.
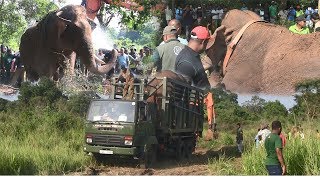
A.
x: 61, y: 24
x: 218, y: 33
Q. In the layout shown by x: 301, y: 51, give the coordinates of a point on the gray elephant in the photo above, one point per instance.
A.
x: 267, y: 59
x: 61, y: 35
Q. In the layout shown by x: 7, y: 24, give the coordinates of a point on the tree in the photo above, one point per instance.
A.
x: 274, y: 109
x: 307, y: 100
x: 255, y: 105
x: 15, y: 15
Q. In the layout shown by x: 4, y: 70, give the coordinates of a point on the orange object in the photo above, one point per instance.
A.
x: 210, y: 108
x: 283, y: 139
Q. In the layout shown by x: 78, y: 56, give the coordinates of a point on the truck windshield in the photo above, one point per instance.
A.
x: 112, y: 111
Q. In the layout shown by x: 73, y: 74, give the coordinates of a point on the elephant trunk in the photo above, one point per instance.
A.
x: 89, y: 59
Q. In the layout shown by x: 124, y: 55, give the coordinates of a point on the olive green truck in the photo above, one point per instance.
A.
x: 141, y: 129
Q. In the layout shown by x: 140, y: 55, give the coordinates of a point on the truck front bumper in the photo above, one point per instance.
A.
x: 128, y: 151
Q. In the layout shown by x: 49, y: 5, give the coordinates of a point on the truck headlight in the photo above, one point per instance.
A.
x: 89, y: 138
x: 128, y: 140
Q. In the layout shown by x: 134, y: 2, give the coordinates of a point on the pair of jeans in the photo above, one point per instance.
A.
x: 240, y: 146
x: 274, y: 170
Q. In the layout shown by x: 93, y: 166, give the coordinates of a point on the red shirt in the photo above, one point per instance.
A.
x: 283, y: 139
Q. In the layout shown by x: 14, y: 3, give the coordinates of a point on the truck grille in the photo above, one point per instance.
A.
x: 108, y: 140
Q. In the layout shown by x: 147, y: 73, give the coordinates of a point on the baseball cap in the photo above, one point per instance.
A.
x: 169, y: 30
x: 300, y: 18
x: 200, y: 32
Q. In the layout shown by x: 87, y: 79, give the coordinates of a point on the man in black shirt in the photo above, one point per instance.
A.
x: 188, y: 62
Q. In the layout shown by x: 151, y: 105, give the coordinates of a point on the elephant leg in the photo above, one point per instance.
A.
x: 72, y: 62
x: 32, y: 75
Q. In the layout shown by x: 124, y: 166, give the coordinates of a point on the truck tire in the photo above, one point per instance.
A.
x: 180, y: 150
x: 149, y: 157
x: 188, y: 149
x: 99, y: 158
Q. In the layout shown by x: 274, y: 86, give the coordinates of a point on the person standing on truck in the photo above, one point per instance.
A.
x: 188, y: 64
x: 165, y: 55
x: 127, y: 76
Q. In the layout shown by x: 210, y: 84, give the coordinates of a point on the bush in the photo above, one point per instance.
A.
x: 42, y: 132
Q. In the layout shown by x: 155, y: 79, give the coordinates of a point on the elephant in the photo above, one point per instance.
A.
x: 153, y: 83
x: 46, y: 47
x: 268, y: 58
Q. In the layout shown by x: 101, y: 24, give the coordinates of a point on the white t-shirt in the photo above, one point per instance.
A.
x: 220, y: 13
x: 264, y: 133
x: 169, y: 14
x: 215, y: 14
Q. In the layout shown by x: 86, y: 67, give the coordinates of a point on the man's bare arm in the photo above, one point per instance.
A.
x: 281, y: 160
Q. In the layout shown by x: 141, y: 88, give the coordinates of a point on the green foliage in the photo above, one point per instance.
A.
x: 274, y: 109
x: 79, y: 104
x: 15, y: 15
x: 255, y: 105
x: 308, y: 100
x: 45, y: 89
x: 222, y: 166
x: 41, y: 132
x: 302, y: 157
x: 130, y: 18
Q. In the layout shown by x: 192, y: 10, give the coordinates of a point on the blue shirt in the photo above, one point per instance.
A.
x: 179, y: 13
x: 123, y: 60
x: 291, y: 14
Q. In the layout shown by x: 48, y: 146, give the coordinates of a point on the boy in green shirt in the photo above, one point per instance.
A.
x: 273, y: 145
x: 300, y: 26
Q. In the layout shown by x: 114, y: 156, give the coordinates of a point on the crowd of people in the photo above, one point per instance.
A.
x: 209, y: 16
x: 273, y: 141
x: 10, y: 66
x: 302, y: 20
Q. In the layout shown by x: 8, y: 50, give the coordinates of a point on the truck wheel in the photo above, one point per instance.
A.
x: 98, y: 157
x: 180, y: 150
x: 150, y: 157
x: 188, y: 149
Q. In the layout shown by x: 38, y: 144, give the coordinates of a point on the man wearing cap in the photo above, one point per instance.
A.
x: 300, y: 26
x: 177, y: 24
x: 165, y: 55
x: 188, y: 62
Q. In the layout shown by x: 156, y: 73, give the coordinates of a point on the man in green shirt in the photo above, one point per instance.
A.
x: 273, y: 145
x: 300, y: 26
x: 165, y: 55
x: 299, y: 11
x: 273, y: 11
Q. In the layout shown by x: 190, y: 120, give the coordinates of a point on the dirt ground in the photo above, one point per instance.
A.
x: 166, y: 166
